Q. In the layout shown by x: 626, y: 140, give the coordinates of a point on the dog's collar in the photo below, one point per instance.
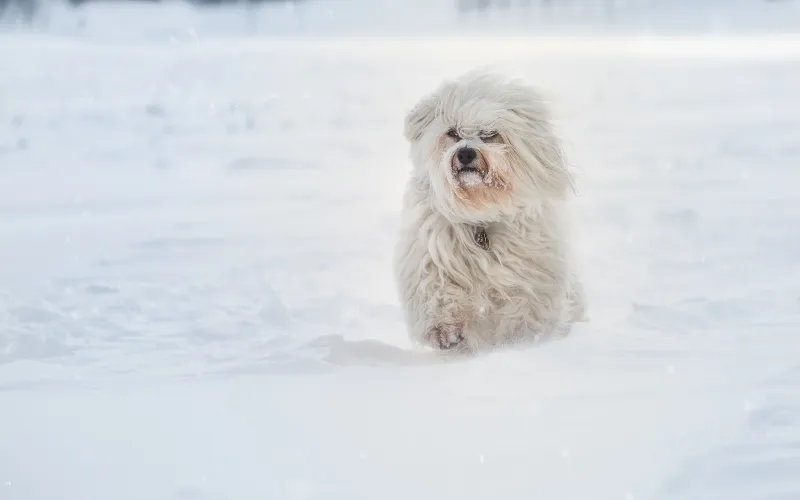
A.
x: 481, y: 237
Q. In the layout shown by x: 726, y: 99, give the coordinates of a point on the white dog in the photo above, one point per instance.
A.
x: 483, y: 256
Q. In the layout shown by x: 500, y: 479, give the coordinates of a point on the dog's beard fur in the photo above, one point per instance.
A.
x: 455, y: 292
x: 465, y: 192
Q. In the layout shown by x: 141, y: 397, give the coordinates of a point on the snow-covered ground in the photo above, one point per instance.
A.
x: 196, y: 299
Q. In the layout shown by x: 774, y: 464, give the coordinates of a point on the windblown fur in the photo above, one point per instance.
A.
x: 456, y: 292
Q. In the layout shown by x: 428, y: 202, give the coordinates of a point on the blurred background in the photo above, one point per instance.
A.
x: 169, y: 18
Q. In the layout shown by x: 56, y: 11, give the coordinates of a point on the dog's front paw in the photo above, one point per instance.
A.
x: 447, y: 336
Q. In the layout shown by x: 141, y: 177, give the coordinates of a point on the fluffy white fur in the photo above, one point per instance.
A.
x: 454, y: 292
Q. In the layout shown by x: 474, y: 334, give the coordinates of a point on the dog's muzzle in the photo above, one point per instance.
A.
x: 466, y: 157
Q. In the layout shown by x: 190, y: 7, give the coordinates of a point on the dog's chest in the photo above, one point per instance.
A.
x: 505, y: 258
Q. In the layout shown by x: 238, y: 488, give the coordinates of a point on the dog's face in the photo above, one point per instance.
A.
x: 486, y: 147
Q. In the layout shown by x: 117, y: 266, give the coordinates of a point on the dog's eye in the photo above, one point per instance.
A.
x: 491, y: 134
x: 453, y: 134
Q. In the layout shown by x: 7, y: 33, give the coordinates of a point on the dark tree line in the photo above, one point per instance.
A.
x: 482, y: 5
x: 195, y: 2
x: 18, y: 10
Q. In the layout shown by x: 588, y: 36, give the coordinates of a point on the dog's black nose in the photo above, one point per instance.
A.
x: 466, y: 155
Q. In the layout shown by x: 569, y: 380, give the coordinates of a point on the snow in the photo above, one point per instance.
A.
x: 470, y: 179
x: 196, y: 298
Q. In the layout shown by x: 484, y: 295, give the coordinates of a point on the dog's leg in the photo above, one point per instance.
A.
x: 577, y: 300
x: 446, y: 318
x: 435, y: 308
x: 442, y: 314
x: 446, y: 335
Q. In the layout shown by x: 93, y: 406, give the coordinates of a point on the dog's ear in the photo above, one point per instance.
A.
x: 419, y: 117
x: 543, y: 143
